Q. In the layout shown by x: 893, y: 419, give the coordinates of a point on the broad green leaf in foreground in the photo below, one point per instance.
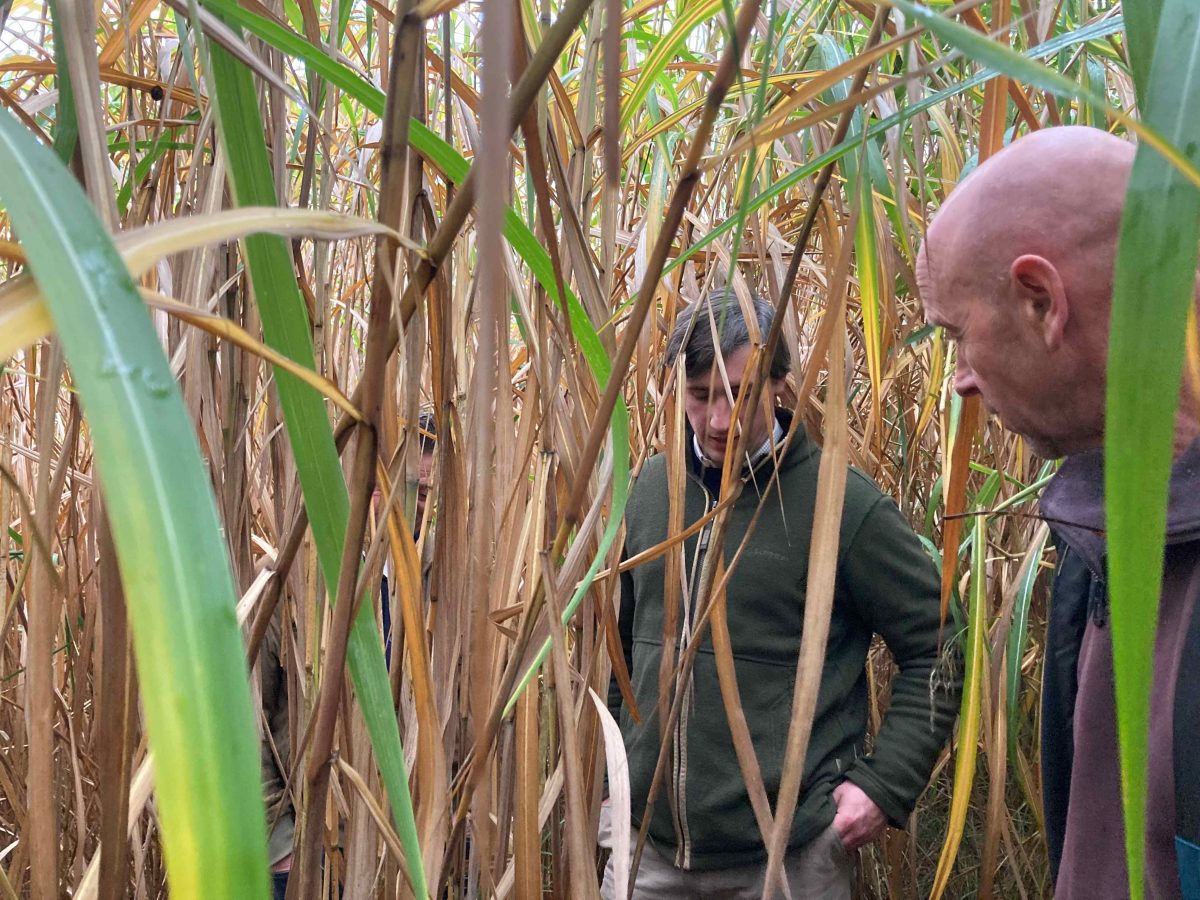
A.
x: 1141, y: 27
x: 178, y: 584
x: 1154, y: 285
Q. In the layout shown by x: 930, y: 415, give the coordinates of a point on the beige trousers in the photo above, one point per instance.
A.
x: 820, y: 870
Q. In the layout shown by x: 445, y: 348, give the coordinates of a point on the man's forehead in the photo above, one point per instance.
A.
x: 936, y: 281
x: 925, y: 282
x: 712, y: 376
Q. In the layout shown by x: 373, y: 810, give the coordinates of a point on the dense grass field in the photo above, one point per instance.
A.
x: 244, y: 244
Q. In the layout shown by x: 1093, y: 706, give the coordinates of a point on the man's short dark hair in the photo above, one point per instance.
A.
x: 694, y: 325
x: 427, y: 436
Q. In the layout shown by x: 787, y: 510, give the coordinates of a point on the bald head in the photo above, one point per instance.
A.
x: 1058, y: 193
x: 1018, y: 267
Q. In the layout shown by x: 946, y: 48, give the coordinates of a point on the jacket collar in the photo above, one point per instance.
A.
x: 752, y: 459
x: 1074, y: 503
x: 759, y: 464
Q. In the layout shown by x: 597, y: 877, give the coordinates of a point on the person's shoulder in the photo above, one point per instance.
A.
x: 645, y: 510
x: 866, y: 502
x: 651, y: 481
x: 652, y: 473
x: 862, y: 491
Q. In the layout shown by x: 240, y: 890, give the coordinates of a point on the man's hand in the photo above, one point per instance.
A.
x: 858, y: 821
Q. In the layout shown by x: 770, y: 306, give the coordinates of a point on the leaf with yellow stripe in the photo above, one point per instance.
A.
x: 866, y: 254
x: 969, y: 712
x: 663, y: 53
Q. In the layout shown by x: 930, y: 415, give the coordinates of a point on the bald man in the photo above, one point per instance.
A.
x: 1017, y: 268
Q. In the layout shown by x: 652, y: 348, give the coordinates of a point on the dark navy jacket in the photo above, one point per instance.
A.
x: 1074, y: 506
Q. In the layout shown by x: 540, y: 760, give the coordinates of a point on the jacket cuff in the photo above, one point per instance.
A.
x: 894, y: 808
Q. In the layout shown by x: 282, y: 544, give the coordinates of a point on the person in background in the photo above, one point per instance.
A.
x: 1017, y: 267
x: 704, y: 839
x: 275, y: 751
x: 275, y: 748
x: 419, y: 488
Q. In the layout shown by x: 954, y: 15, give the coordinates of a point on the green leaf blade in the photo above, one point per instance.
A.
x: 174, y: 566
x: 1153, y: 287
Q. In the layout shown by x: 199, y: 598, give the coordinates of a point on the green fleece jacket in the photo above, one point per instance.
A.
x: 886, y: 585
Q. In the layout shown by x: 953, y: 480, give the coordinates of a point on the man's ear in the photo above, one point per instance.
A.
x: 1038, y: 289
x: 774, y: 390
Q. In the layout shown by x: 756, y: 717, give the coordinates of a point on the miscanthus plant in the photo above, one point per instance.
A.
x: 244, y: 244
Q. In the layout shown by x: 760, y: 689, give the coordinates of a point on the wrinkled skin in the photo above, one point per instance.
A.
x: 1017, y: 267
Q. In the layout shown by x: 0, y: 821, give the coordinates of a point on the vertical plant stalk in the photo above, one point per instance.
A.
x: 117, y: 704
x: 991, y: 139
x: 496, y: 42
x: 41, y: 606
x: 405, y: 57
x: 969, y: 712
x: 996, y: 742
x: 527, y: 849
x: 581, y: 868
x: 78, y: 29
x: 612, y: 141
x: 822, y: 576
x: 66, y: 131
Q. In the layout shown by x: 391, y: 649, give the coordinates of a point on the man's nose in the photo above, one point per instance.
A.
x: 718, y: 415
x: 964, y: 377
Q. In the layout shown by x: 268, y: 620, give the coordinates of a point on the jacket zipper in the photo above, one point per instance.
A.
x: 683, y: 854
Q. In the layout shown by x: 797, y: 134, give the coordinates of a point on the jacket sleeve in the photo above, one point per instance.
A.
x: 274, y: 750
x: 625, y: 630
x: 895, y: 588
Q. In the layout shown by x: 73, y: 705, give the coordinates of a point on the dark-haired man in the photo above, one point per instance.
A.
x: 704, y: 839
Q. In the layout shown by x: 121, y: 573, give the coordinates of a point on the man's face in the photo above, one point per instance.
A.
x: 423, y: 485
x: 709, y: 409
x: 1001, y: 356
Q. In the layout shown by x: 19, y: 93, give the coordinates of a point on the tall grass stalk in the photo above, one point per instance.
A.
x: 540, y: 241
